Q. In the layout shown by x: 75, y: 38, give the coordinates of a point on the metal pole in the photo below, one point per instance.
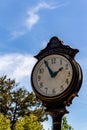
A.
x: 56, y: 121
x: 57, y: 115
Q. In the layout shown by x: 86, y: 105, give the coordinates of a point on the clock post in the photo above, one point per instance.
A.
x: 57, y: 115
x: 56, y: 78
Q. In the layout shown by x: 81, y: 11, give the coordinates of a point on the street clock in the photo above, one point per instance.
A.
x: 56, y: 77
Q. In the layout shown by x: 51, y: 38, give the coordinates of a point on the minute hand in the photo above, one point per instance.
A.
x: 49, y: 69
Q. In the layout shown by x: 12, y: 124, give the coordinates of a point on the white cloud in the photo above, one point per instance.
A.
x: 32, y: 19
x: 15, y: 34
x: 16, y: 66
x: 33, y: 13
x: 33, y: 16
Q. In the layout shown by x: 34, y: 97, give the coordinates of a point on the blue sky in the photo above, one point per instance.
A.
x: 26, y: 27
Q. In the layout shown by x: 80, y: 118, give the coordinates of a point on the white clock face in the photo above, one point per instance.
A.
x: 52, y: 75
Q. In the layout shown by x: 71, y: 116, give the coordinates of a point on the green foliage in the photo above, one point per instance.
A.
x: 21, y: 108
x: 65, y: 125
x: 28, y: 123
x: 4, y: 123
x: 16, y: 102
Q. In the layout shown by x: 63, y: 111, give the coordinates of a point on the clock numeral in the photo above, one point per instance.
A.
x: 69, y: 74
x: 41, y: 84
x: 66, y: 67
x: 61, y: 88
x: 39, y: 78
x: 41, y: 70
x: 46, y: 89
x: 67, y: 81
x: 53, y: 60
x: 53, y: 91
x: 60, y: 61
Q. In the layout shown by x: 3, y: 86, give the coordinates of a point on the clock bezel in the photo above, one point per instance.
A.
x: 66, y: 92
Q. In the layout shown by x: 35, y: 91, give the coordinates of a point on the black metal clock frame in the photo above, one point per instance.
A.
x: 56, y: 106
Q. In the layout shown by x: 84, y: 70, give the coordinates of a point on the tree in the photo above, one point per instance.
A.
x: 21, y: 108
x: 65, y: 125
x: 4, y: 123
x: 28, y: 123
x: 16, y: 102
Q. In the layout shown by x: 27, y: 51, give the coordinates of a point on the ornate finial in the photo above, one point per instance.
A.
x: 56, y: 40
x: 56, y: 46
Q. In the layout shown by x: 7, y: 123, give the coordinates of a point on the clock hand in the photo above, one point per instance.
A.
x: 49, y: 69
x: 56, y: 72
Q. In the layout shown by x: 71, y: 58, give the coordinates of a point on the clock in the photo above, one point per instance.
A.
x: 53, y: 76
x: 56, y: 78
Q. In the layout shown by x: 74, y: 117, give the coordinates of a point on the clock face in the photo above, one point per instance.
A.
x: 52, y: 75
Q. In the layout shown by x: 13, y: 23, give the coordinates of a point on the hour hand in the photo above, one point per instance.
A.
x: 56, y: 72
x: 49, y: 69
